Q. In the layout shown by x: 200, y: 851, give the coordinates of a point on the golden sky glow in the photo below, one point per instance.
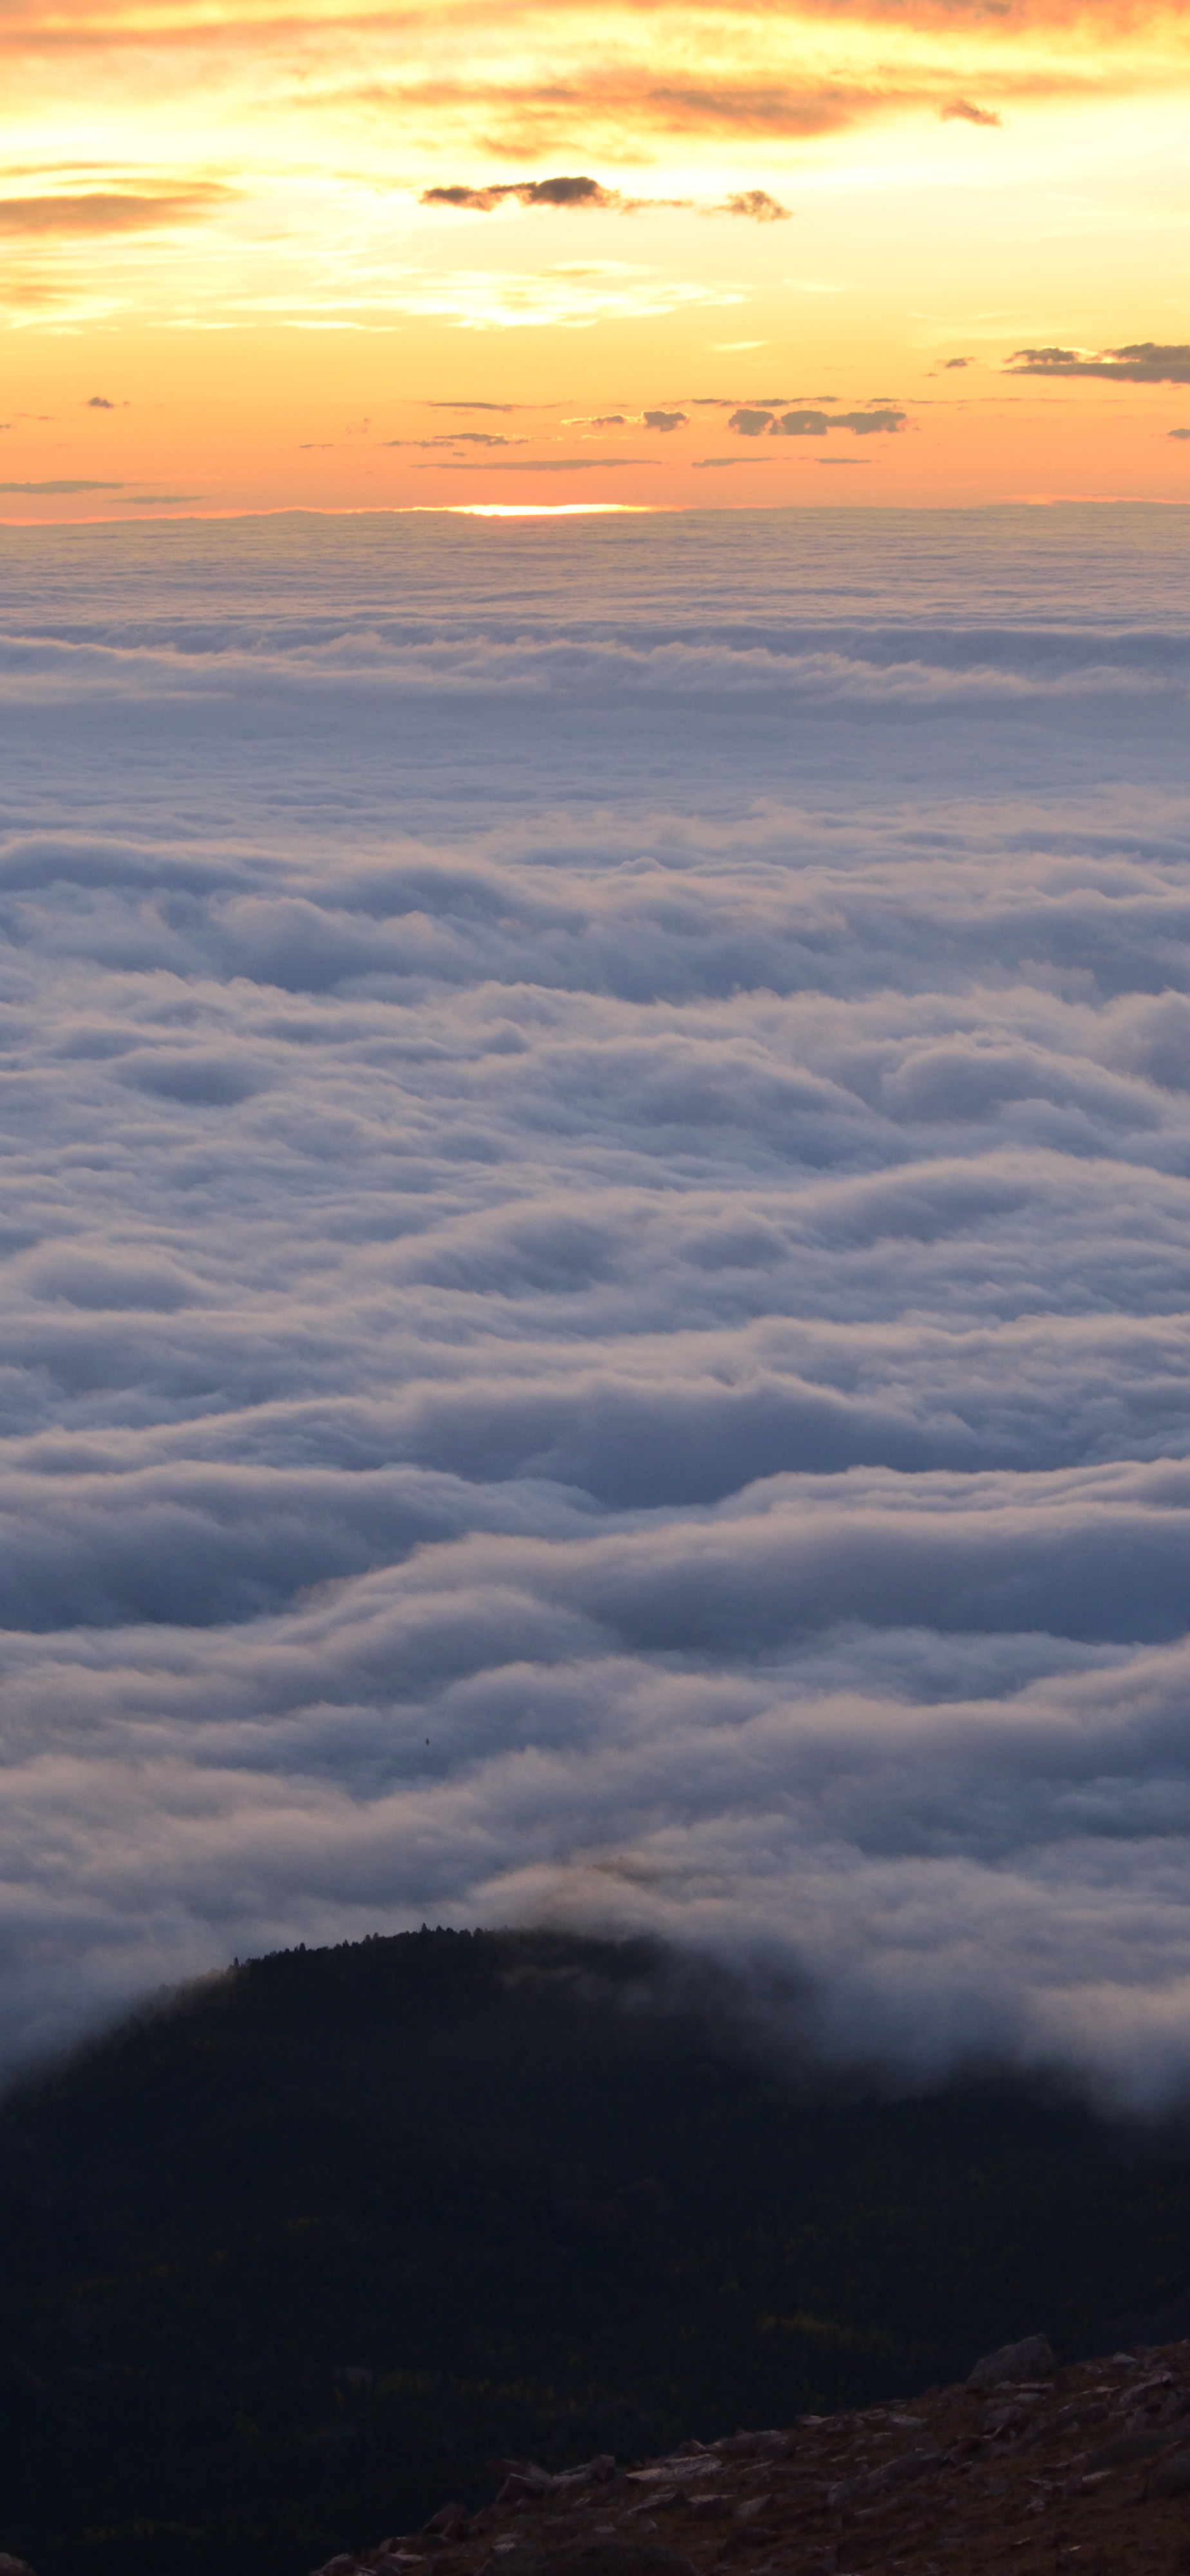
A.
x: 263, y: 259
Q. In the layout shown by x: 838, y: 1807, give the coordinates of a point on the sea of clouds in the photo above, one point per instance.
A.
x: 595, y: 1247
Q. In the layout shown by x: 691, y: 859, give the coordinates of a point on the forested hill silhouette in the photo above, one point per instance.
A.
x: 287, y: 2258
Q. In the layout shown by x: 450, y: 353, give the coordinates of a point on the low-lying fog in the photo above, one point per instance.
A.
x: 596, y: 1232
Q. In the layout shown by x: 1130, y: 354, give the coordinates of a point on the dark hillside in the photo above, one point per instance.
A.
x: 284, y: 2263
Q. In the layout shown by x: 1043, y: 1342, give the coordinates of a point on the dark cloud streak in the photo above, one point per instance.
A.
x: 64, y: 485
x: 585, y: 195
x: 111, y: 210
x: 1139, y: 362
x: 753, y: 421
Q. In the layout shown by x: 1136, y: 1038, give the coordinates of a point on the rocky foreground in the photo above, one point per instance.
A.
x: 1025, y: 2467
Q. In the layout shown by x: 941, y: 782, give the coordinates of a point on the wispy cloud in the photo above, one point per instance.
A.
x: 451, y: 438
x: 572, y: 294
x: 536, y: 464
x: 64, y: 484
x: 527, y: 86
x: 98, y: 210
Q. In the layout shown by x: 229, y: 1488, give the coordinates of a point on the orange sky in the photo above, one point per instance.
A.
x: 800, y: 254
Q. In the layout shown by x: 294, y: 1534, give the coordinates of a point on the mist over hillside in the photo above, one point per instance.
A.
x: 287, y: 2257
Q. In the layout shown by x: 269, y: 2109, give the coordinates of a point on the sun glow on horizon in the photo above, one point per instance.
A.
x: 546, y: 509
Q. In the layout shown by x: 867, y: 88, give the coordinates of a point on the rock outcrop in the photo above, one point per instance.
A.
x: 1084, y: 2469
x: 1029, y: 2359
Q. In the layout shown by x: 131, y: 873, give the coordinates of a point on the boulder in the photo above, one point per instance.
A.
x: 526, y: 2486
x: 1032, y: 2358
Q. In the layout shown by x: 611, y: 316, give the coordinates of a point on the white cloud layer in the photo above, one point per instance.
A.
x: 595, y: 1247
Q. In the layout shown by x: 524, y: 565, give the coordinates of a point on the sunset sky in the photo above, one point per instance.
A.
x: 257, y: 259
